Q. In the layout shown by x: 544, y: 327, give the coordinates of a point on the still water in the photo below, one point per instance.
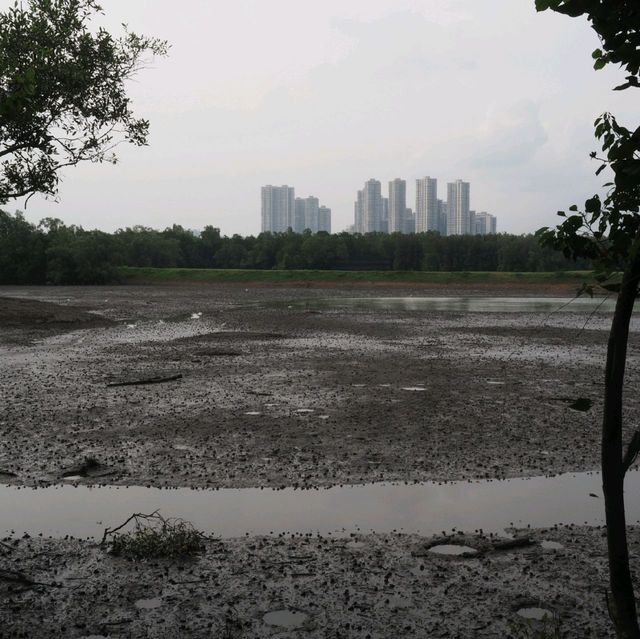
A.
x: 427, y: 508
x: 457, y: 304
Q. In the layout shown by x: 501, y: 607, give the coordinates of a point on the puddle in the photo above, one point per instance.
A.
x: 427, y: 508
x: 285, y: 618
x: 535, y: 614
x: 148, y: 604
x: 455, y: 304
x: 551, y: 545
x: 452, y: 550
x: 305, y: 410
x: 415, y: 389
x: 253, y: 413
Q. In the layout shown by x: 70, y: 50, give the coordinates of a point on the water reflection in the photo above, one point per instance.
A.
x: 455, y: 304
x: 428, y: 508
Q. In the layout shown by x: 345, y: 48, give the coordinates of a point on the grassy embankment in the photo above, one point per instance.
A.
x: 152, y: 275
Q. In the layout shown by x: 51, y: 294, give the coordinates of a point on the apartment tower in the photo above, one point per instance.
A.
x: 278, y: 208
x: 372, y: 207
x: 458, y: 196
x: 397, y: 206
x: 426, y: 204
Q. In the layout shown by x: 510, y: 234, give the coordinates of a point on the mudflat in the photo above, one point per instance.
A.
x: 270, y: 394
x: 228, y: 386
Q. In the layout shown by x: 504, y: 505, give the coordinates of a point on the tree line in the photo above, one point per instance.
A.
x: 54, y: 253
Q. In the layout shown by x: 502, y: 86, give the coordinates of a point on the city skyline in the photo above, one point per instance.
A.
x: 281, y: 210
x: 229, y: 114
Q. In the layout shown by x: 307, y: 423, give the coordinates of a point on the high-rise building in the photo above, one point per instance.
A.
x: 485, y: 224
x: 309, y: 215
x: 409, y: 222
x: 458, y: 196
x: 278, y: 209
x: 324, y: 219
x: 397, y: 206
x: 384, y: 226
x: 311, y: 206
x: 298, y: 218
x: 426, y: 204
x: 358, y: 217
x: 372, y: 207
x: 442, y: 218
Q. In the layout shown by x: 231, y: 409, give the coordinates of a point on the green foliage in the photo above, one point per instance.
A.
x: 607, y: 231
x: 62, y: 92
x: 155, y: 537
x: 133, y: 274
x: 617, y: 23
x: 58, y: 254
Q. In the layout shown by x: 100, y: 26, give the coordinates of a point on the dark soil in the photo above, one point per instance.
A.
x: 384, y: 586
x: 341, y: 397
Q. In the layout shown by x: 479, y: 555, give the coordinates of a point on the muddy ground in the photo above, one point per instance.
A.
x: 377, y: 586
x: 273, y: 394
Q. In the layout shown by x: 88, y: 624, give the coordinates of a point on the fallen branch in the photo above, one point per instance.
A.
x: 520, y: 542
x: 143, y: 382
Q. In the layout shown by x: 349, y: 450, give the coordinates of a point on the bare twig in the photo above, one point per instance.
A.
x: 134, y: 517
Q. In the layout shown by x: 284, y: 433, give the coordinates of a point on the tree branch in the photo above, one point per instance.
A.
x: 633, y: 449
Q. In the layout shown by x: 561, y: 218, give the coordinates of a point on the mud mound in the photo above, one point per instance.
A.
x: 24, y: 312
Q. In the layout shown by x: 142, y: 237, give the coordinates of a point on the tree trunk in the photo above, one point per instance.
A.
x: 622, y: 600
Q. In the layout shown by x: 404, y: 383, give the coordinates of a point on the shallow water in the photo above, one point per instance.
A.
x: 537, y: 614
x: 452, y: 550
x: 456, y: 304
x: 285, y: 618
x: 428, y: 508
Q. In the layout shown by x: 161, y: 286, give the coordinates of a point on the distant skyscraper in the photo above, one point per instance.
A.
x: 298, y: 218
x: 278, y: 209
x: 372, y: 206
x: 358, y: 221
x: 485, y: 224
x: 311, y: 206
x: 426, y: 205
x: 384, y: 227
x: 458, y: 195
x: 324, y: 219
x: 442, y: 218
x: 409, y: 222
x: 397, y: 206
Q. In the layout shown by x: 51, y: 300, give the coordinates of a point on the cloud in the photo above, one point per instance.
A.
x: 509, y: 139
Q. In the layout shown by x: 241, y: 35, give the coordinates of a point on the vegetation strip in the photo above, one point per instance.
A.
x: 140, y: 274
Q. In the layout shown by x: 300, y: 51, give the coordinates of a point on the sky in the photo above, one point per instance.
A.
x: 324, y: 95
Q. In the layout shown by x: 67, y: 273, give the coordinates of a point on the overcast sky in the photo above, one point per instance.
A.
x: 325, y: 95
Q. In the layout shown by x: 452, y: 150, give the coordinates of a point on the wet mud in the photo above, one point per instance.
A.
x: 264, y: 395
x: 381, y: 586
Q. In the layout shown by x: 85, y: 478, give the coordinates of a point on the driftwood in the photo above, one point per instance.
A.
x: 149, y: 380
x: 509, y: 544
